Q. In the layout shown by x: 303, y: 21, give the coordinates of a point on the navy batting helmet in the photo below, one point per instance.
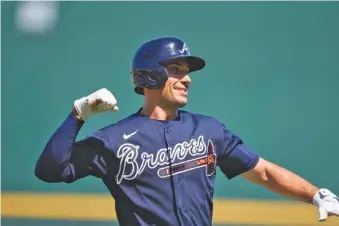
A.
x: 148, y: 61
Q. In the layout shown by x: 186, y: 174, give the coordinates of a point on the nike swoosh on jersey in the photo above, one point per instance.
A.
x: 126, y: 136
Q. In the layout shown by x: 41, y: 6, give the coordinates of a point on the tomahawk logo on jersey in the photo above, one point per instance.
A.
x: 208, y: 161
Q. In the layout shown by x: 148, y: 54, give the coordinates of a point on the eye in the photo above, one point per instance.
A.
x: 177, y: 69
x: 173, y: 69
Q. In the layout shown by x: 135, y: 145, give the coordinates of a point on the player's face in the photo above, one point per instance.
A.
x: 176, y: 87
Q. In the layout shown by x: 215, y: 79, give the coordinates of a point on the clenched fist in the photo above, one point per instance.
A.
x: 97, y: 102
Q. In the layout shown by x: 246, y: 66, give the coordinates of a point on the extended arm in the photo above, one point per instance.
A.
x: 238, y: 159
x: 281, y: 181
x: 286, y: 183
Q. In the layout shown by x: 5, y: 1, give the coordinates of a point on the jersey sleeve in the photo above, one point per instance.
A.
x: 235, y: 157
x: 64, y: 160
x: 89, y: 157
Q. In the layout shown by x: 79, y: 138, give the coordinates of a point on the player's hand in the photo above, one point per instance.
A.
x: 327, y: 203
x: 97, y: 102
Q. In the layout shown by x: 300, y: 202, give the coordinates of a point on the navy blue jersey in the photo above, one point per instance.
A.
x: 158, y: 172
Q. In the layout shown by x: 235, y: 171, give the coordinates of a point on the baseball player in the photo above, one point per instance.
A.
x: 159, y: 163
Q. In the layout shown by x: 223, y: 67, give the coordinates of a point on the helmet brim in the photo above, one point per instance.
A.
x: 195, y: 63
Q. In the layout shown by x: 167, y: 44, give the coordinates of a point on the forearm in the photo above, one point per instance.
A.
x: 283, y: 182
x: 52, y: 165
x: 76, y: 115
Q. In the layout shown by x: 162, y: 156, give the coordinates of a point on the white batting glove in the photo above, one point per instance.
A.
x: 97, y: 102
x: 327, y: 203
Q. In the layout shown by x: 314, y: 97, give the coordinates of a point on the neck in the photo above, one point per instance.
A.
x: 158, y: 112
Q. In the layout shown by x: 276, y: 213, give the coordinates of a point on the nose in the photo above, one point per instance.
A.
x: 186, y: 79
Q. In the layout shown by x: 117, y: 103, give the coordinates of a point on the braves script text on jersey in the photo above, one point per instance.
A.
x: 158, y: 172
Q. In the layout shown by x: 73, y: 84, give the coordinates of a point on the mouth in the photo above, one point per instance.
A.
x: 181, y: 90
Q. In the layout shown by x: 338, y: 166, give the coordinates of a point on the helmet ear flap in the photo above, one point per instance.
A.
x: 150, y: 79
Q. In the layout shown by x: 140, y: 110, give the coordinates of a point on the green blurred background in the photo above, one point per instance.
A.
x: 272, y: 76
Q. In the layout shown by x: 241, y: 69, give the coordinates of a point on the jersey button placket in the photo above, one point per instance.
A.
x: 170, y: 137
x: 177, y: 178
